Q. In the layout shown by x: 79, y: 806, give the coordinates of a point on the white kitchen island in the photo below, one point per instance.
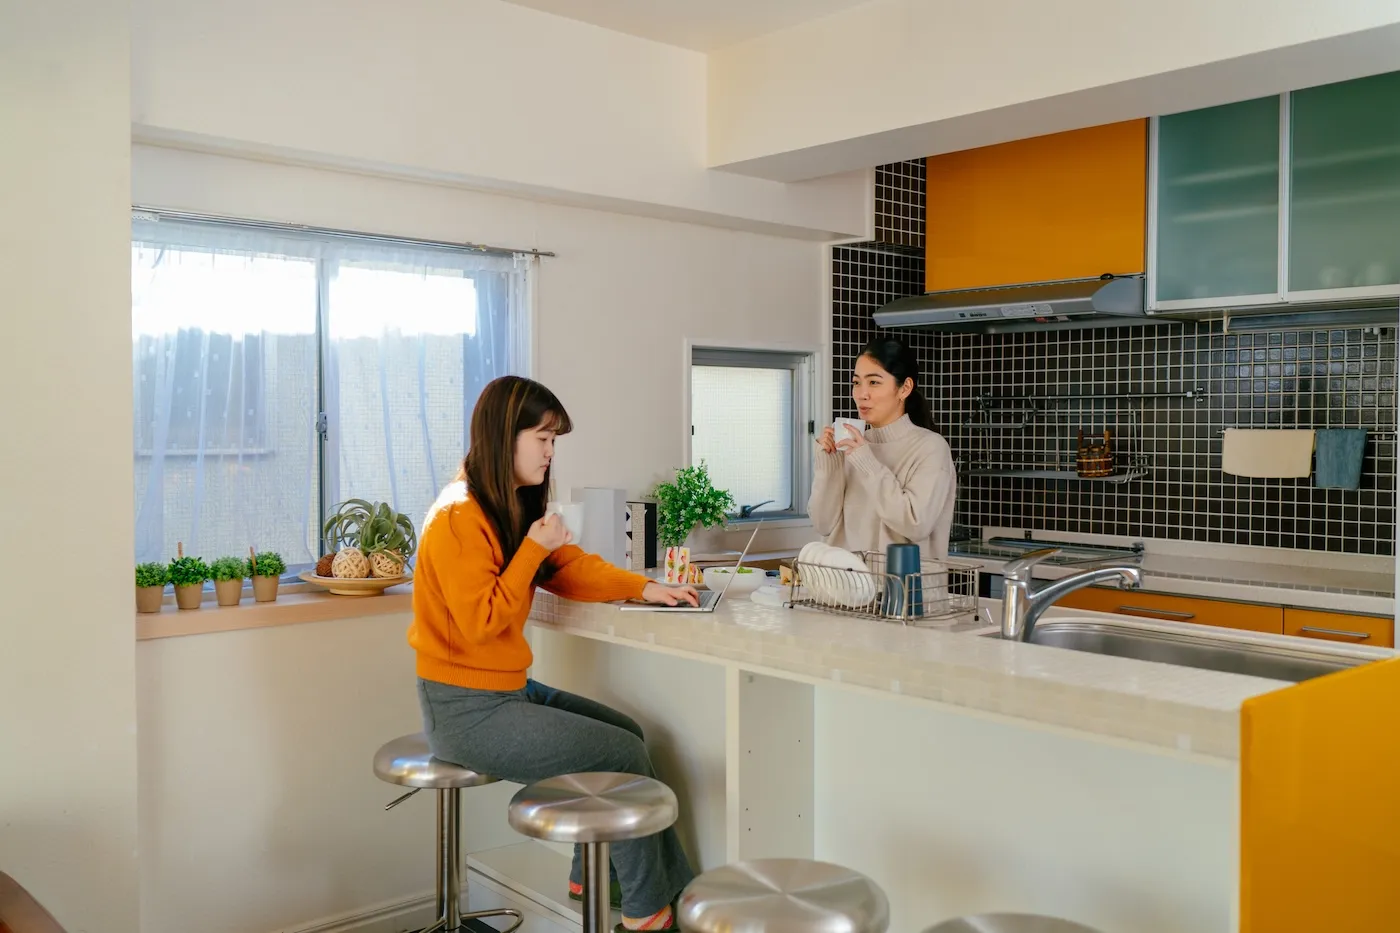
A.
x: 963, y: 774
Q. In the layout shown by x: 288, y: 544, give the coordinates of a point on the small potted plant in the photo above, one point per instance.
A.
x: 369, y: 539
x: 681, y: 505
x: 266, y: 569
x: 228, y: 574
x: 151, y: 578
x: 188, y: 575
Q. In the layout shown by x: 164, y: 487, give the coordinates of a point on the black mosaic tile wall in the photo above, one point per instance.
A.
x: 865, y: 277
x: 1316, y: 379
x: 899, y: 204
x: 1325, y: 378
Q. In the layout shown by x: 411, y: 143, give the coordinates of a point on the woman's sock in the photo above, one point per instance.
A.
x: 661, y: 920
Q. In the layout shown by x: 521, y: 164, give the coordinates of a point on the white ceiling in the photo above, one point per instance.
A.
x: 703, y: 25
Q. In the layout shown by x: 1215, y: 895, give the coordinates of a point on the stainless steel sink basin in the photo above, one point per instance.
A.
x: 1206, y: 651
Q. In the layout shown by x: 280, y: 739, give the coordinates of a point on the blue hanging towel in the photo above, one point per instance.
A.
x: 1339, y: 457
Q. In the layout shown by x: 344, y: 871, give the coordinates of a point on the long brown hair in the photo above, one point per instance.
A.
x: 506, y: 407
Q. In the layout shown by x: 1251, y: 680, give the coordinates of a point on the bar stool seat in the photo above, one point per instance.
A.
x: 783, y: 896
x: 409, y: 762
x: 593, y: 810
x: 1009, y: 923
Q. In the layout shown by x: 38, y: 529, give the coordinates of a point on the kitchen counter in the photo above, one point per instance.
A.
x: 1165, y: 707
x: 1337, y: 582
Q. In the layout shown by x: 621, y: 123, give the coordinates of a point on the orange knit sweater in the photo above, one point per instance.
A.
x: 469, y: 610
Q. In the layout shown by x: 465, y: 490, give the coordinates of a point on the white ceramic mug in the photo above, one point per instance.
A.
x: 838, y: 428
x: 572, y: 514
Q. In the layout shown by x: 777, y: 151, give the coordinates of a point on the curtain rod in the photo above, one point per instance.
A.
x: 147, y: 213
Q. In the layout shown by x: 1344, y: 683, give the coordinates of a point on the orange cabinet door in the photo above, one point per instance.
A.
x: 1352, y: 628
x: 1221, y: 613
x: 1066, y: 206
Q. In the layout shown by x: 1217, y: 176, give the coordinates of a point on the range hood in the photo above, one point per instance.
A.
x: 1107, y: 301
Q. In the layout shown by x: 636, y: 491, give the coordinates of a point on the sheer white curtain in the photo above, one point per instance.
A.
x: 277, y: 373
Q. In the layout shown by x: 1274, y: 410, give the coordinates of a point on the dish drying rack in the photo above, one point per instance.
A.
x: 943, y: 590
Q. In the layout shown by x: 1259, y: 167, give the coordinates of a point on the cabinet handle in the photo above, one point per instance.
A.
x: 1359, y: 636
x: 1143, y: 610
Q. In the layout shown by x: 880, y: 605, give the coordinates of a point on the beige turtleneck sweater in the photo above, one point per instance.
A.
x: 897, y: 488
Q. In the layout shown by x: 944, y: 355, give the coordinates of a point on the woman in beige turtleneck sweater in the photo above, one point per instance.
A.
x: 895, y: 484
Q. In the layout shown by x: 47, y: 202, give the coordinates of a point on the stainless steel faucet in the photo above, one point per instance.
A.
x: 1021, y: 608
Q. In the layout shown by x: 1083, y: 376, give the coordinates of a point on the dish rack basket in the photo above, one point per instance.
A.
x: 942, y: 590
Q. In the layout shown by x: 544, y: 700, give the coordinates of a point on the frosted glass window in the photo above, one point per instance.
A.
x: 277, y: 372
x: 743, y: 419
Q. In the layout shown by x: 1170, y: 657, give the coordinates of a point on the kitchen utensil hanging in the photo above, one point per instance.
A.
x: 1095, y: 457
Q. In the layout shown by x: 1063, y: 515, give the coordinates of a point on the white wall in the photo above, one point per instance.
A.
x: 614, y: 308
x: 479, y: 92
x: 987, y: 816
x: 259, y: 809
x: 900, y: 79
x: 67, y: 695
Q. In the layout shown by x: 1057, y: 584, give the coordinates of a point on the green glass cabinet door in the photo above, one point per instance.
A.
x: 1217, y: 191
x: 1344, y: 178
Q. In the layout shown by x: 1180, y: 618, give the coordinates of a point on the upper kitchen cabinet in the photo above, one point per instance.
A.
x: 1066, y: 206
x: 1293, y: 198
x: 1344, y: 212
x: 1216, y: 192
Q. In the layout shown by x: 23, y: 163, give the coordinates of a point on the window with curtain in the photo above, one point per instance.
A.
x: 750, y: 414
x: 277, y: 372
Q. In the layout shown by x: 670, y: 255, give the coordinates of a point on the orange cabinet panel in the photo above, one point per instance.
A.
x: 1066, y: 206
x: 1378, y: 631
x: 1222, y: 613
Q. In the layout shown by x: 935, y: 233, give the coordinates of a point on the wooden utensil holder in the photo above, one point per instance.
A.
x: 1095, y: 459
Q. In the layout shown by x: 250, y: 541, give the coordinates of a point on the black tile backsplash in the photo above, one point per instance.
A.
x: 1336, y: 377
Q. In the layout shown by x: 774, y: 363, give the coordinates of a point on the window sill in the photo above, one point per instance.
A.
x: 290, y: 608
x: 787, y: 521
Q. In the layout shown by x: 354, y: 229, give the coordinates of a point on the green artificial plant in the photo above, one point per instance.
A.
x: 373, y: 527
x: 689, y: 501
x: 267, y: 564
x: 152, y: 573
x: 229, y: 568
x: 188, y: 571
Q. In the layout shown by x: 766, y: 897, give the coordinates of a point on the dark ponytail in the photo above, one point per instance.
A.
x: 897, y: 358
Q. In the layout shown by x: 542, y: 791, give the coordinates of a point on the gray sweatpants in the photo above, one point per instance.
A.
x: 539, y: 732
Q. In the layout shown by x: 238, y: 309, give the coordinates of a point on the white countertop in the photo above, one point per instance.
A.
x: 1309, y: 579
x: 1169, y: 707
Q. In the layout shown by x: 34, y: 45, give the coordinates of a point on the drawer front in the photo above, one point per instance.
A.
x: 1377, y: 631
x: 1218, y: 612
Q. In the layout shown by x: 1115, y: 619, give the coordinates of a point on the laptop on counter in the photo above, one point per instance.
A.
x: 709, y: 599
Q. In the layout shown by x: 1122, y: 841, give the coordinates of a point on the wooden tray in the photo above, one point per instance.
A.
x: 349, y: 586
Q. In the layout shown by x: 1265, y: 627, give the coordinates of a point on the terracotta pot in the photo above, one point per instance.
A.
x: 188, y: 597
x: 265, y: 589
x: 148, y: 598
x: 229, y: 592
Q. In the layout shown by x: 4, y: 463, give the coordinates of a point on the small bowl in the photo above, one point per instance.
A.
x: 744, y: 583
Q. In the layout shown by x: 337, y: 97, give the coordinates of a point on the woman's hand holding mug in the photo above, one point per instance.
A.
x: 550, y: 533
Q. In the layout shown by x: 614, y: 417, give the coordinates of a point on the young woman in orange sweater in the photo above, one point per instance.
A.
x: 486, y: 544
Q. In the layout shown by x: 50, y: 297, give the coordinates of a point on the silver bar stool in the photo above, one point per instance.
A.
x: 783, y: 895
x: 1009, y: 923
x: 408, y: 761
x: 594, y: 809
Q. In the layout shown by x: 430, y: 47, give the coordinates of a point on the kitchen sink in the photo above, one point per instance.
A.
x: 1208, y: 652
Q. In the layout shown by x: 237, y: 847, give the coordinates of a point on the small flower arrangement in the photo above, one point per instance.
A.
x: 266, y: 569
x: 228, y: 574
x: 689, y: 501
x: 151, y: 578
x: 188, y: 575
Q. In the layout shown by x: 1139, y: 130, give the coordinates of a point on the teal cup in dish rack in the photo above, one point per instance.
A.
x: 903, y: 563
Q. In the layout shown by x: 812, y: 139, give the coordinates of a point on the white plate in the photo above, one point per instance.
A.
x: 849, y: 589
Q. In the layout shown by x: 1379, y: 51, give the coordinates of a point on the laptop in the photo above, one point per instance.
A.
x: 709, y: 599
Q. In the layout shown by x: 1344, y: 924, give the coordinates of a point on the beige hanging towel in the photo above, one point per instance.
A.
x: 1267, y: 453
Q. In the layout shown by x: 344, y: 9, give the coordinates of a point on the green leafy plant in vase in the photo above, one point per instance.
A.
x: 188, y: 574
x: 689, y: 501
x: 228, y: 574
x: 369, y: 539
x: 151, y: 578
x: 266, y: 569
